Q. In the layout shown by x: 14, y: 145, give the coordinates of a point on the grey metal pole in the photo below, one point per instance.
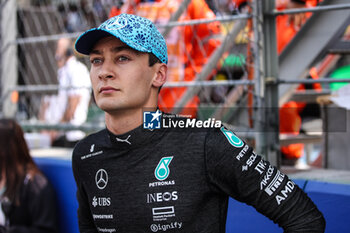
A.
x: 55, y: 37
x: 205, y: 83
x: 221, y: 19
x: 271, y: 145
x: 40, y: 39
x: 311, y: 9
x: 311, y: 81
x: 8, y: 51
x: 209, y: 83
x: 258, y: 76
x: 86, y: 127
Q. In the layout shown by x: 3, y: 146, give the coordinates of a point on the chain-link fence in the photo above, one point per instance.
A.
x: 222, y: 58
x: 210, y: 54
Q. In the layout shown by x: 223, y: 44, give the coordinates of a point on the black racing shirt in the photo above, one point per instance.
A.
x: 172, y: 180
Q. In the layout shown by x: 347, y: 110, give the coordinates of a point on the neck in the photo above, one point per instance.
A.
x: 124, y: 121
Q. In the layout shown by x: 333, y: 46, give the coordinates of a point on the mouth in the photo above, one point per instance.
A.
x: 108, y: 90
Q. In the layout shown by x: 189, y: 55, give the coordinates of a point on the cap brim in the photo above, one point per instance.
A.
x: 86, y: 41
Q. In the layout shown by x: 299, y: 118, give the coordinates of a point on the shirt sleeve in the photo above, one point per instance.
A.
x: 85, y: 221
x: 235, y: 169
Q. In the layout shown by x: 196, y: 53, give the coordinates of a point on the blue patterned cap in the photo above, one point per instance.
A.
x: 137, y: 32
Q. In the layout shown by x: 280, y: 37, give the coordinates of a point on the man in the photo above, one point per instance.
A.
x: 132, y: 179
x: 189, y: 47
x: 72, y: 102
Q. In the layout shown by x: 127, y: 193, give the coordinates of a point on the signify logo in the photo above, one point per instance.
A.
x: 156, y: 120
x: 166, y: 227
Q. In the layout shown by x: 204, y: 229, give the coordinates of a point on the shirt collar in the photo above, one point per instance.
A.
x: 135, y: 138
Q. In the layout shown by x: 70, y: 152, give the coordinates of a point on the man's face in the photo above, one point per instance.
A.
x: 121, y: 77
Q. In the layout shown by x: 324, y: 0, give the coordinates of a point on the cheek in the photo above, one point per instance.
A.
x: 141, y: 87
x: 93, y: 85
x: 93, y: 75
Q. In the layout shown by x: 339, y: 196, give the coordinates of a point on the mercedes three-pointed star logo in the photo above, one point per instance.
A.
x: 101, y: 178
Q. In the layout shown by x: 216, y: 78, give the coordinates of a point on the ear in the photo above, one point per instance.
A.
x: 160, y: 75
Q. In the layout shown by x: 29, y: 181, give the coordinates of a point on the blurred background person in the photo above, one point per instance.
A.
x: 291, y: 112
x: 27, y: 199
x: 72, y: 102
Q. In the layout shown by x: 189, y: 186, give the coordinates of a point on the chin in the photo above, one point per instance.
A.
x: 108, y: 107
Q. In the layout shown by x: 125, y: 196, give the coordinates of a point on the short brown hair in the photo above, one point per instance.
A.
x: 152, y: 59
x: 15, y: 160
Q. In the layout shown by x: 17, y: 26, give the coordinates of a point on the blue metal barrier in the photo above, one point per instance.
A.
x: 332, y: 199
x: 59, y: 172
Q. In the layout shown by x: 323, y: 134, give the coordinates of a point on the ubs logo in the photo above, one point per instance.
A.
x: 101, y: 201
x: 101, y: 179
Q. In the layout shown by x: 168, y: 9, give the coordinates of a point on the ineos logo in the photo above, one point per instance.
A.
x: 101, y: 179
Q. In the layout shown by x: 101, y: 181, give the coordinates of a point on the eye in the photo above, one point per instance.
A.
x: 122, y: 59
x: 95, y: 61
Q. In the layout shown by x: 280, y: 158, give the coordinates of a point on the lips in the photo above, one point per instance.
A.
x: 107, y: 90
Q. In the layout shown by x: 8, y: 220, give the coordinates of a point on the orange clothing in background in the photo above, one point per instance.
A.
x: 188, y: 46
x: 285, y: 30
x: 290, y: 123
x: 315, y: 86
x: 199, y: 39
x: 199, y: 45
x: 114, y: 12
x: 290, y: 120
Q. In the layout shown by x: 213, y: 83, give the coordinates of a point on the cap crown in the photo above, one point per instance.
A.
x: 137, y: 32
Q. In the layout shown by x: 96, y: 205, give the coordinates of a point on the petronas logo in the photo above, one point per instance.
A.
x: 232, y: 138
x: 162, y: 170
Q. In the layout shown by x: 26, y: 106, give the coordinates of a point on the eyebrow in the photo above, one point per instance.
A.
x: 116, y: 49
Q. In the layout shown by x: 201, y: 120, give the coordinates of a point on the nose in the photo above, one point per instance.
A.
x: 106, y: 71
x: 105, y: 76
